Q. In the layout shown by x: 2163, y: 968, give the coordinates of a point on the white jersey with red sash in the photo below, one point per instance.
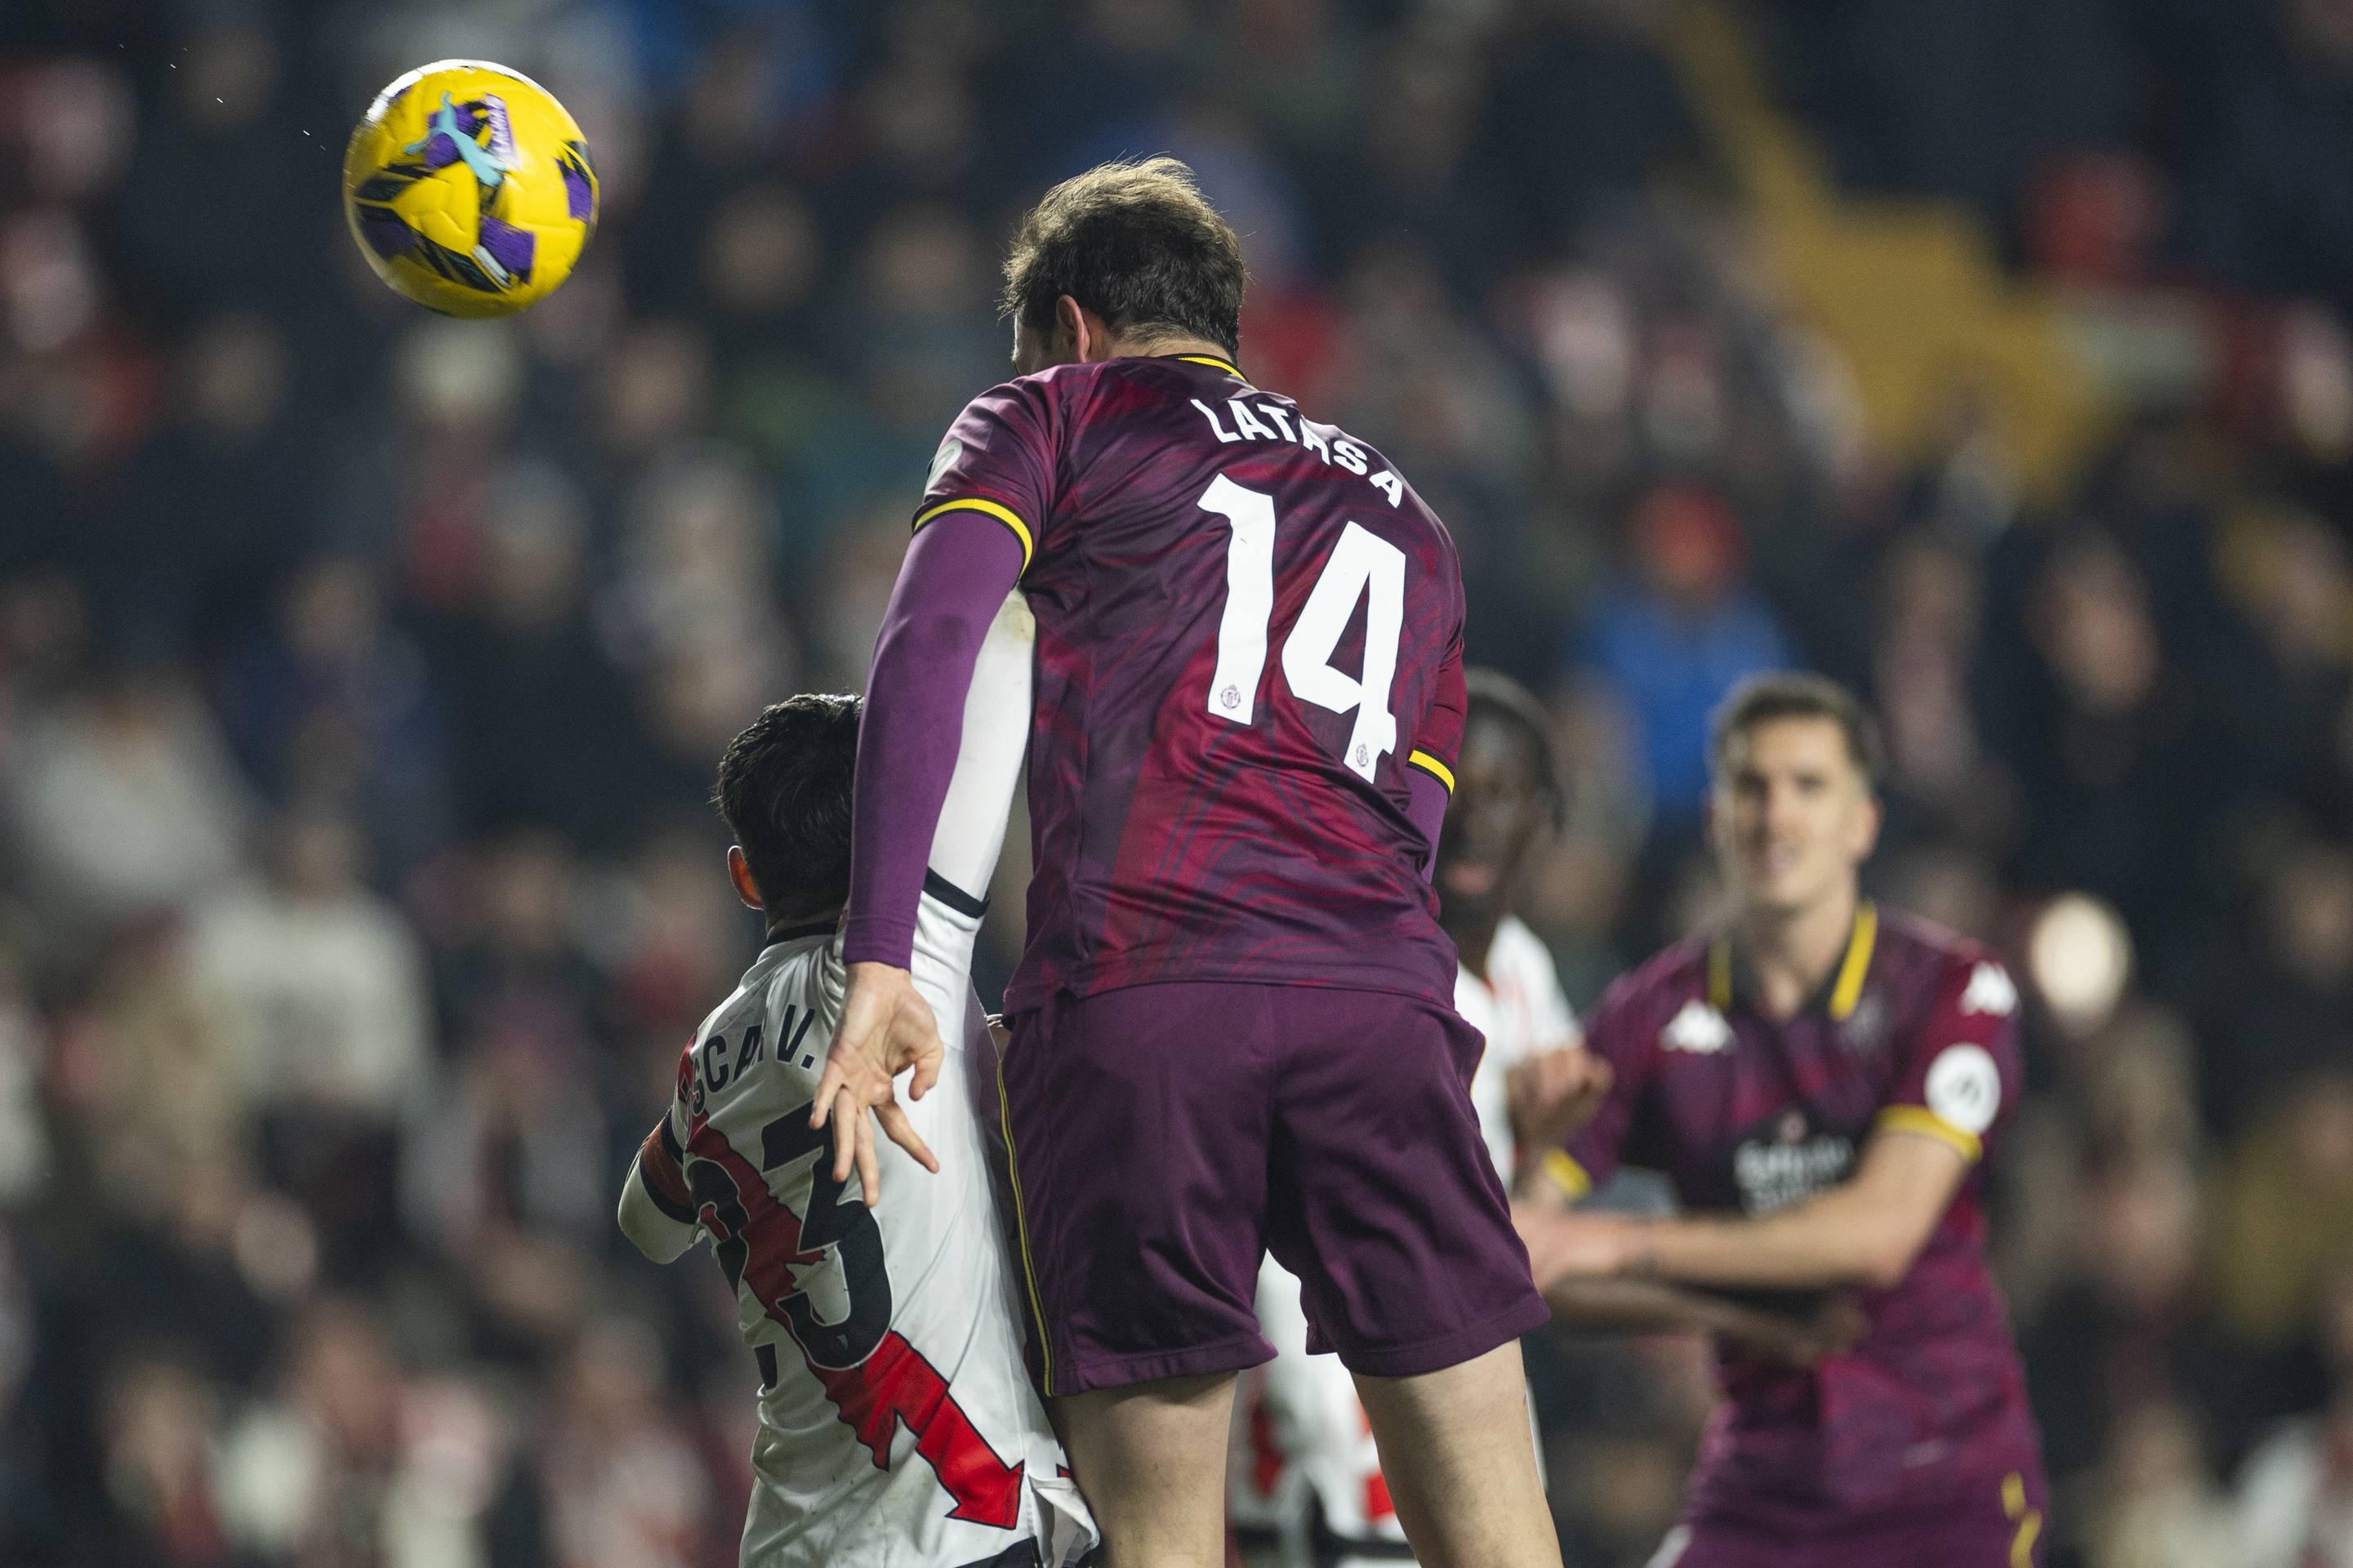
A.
x: 898, y: 1424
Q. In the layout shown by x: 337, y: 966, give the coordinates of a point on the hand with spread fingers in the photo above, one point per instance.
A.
x: 887, y: 1028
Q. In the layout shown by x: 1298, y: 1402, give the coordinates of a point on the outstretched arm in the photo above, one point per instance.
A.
x: 956, y: 575
x: 1866, y: 1231
x: 1654, y: 1306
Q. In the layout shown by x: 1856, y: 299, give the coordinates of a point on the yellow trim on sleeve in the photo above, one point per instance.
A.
x: 1002, y: 514
x: 1927, y: 1123
x: 1567, y: 1173
x: 1021, y: 1234
x: 1849, y: 990
x: 1214, y: 363
x: 1433, y: 767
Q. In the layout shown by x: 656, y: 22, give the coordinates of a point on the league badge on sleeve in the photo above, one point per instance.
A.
x: 1964, y: 1086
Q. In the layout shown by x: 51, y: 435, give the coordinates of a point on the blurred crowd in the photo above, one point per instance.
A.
x: 362, y: 675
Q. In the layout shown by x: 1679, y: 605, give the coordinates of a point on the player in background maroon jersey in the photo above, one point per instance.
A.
x: 1232, y: 1027
x: 1304, y: 1470
x: 1821, y: 1081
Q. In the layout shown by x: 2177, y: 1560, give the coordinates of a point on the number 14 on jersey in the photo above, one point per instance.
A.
x: 1361, y: 564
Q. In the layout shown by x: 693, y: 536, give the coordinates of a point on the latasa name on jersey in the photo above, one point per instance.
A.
x: 717, y: 1071
x: 1264, y: 422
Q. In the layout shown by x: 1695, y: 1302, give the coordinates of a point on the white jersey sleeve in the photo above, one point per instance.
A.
x: 659, y: 1224
x: 971, y: 831
x: 1521, y: 1010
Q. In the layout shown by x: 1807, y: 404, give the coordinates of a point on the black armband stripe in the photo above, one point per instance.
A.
x: 670, y: 1207
x: 953, y: 896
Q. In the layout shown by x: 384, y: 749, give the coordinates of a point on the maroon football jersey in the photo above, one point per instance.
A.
x: 1249, y: 627
x: 1917, y: 1030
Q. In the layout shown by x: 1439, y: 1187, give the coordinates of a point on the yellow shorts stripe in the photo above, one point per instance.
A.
x: 1021, y: 1232
x: 1002, y: 514
x: 1433, y: 767
x: 1928, y: 1124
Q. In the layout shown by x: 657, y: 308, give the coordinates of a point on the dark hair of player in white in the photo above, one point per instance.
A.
x: 785, y: 791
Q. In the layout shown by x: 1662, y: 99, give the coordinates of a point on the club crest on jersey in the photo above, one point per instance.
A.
x: 1698, y: 1029
x: 1991, y: 991
x: 1864, y: 1030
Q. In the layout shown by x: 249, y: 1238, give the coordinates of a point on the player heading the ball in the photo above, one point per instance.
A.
x: 1232, y: 1024
x: 897, y: 1425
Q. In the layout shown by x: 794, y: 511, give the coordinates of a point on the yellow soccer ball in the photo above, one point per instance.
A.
x: 469, y: 189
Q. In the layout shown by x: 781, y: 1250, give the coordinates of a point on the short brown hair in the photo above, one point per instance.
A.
x: 1796, y: 694
x: 1137, y: 244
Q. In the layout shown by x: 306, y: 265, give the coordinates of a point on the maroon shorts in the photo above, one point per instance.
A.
x: 1996, y: 1524
x: 1162, y: 1138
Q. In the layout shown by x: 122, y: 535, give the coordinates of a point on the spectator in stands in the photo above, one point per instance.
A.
x: 314, y: 986
x: 334, y: 709
x: 124, y: 800
x: 1675, y: 636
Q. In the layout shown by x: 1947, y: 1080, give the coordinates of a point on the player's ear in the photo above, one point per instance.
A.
x: 1082, y: 329
x: 1868, y: 822
x: 739, y: 871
